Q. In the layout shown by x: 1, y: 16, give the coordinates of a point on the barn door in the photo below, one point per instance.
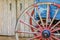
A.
x: 7, y: 17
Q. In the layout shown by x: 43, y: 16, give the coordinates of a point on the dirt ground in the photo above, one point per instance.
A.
x: 11, y: 38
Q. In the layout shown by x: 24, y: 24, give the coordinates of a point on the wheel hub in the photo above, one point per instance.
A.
x: 46, y: 34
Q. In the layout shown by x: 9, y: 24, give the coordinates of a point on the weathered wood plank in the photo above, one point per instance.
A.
x: 7, y: 17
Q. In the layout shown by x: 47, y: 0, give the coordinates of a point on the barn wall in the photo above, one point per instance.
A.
x: 9, y: 12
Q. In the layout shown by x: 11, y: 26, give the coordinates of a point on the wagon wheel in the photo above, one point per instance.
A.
x: 43, y: 28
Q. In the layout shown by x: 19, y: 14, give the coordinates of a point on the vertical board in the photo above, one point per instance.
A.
x: 7, y: 17
x: 21, y: 6
x: 30, y: 3
x: 27, y: 19
x: 12, y: 16
x: 1, y: 16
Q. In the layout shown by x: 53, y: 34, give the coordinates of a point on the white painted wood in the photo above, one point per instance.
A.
x: 20, y: 25
x: 30, y: 3
x: 16, y: 35
x: 7, y: 17
x: 25, y: 17
x: 11, y: 17
x: 1, y: 16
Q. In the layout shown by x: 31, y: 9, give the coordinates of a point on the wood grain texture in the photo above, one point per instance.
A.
x: 25, y: 17
x: 7, y: 17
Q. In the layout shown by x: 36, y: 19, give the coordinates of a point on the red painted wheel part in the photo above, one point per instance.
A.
x: 45, y: 31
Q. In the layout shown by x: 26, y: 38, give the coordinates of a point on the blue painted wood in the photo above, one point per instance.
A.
x: 52, y: 9
x: 56, y: 1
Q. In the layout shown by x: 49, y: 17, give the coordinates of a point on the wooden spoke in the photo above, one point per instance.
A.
x: 34, y: 20
x: 55, y: 25
x: 55, y: 38
x: 51, y: 38
x: 55, y: 29
x: 54, y: 17
x: 28, y: 24
x: 57, y: 34
x: 40, y: 17
x: 47, y: 15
